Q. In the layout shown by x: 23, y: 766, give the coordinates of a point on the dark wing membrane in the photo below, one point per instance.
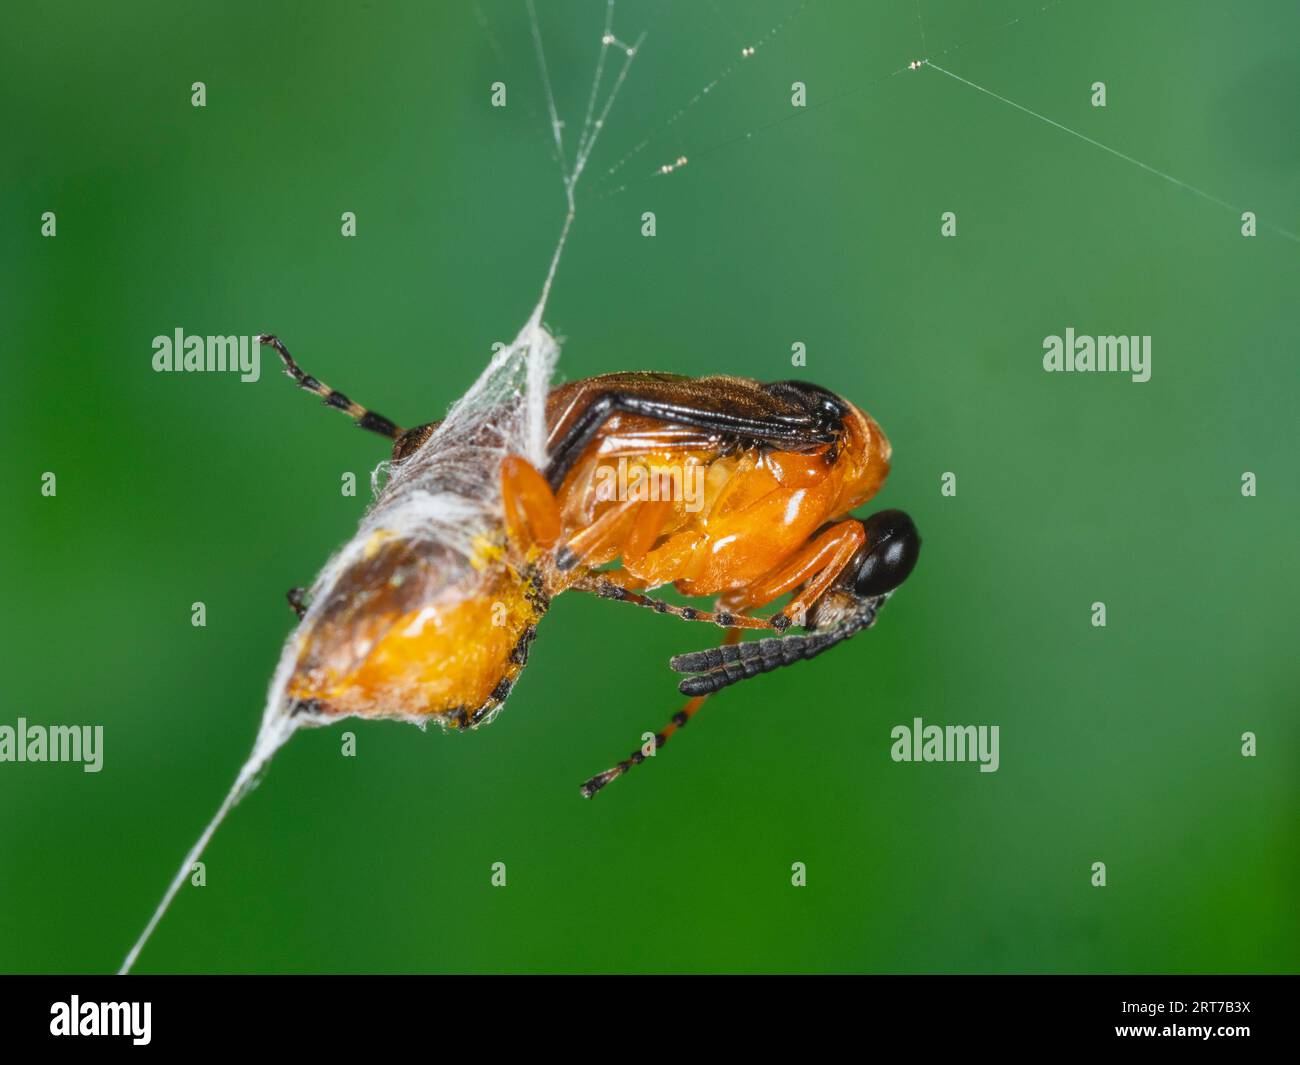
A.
x: 733, y: 408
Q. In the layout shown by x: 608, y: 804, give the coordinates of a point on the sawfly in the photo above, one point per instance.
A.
x: 411, y: 628
x: 524, y: 490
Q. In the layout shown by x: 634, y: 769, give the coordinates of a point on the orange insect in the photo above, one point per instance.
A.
x: 415, y: 631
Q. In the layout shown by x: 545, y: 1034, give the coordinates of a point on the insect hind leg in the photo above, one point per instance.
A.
x: 366, y: 419
x: 464, y: 719
x: 678, y: 721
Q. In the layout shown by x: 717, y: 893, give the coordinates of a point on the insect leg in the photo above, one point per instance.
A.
x: 624, y: 579
x: 602, y: 585
x: 366, y: 419
x: 644, y: 531
x: 532, y: 514
x: 604, y: 533
x: 875, y: 571
x: 816, y: 566
x: 679, y: 720
x: 635, y: 545
x: 518, y: 659
x: 297, y: 601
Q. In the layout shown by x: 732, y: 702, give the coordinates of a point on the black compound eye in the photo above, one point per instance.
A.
x: 892, y: 548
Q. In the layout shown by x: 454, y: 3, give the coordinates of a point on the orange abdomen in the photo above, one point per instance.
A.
x: 441, y: 658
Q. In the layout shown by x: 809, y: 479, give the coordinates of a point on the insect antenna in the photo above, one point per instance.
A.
x: 721, y: 667
x: 366, y: 419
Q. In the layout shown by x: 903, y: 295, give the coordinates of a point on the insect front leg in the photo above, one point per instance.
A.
x: 816, y: 566
x: 848, y: 604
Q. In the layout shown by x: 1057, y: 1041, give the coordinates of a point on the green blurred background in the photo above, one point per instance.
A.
x: 1119, y: 745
